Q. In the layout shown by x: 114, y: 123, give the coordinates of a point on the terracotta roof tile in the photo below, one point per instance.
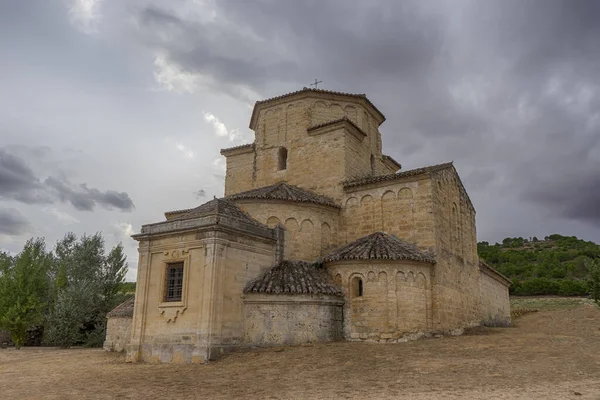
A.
x: 390, y: 158
x: 380, y: 246
x: 284, y: 191
x: 123, y: 310
x: 242, y: 146
x: 397, y: 175
x: 218, y: 207
x: 293, y: 277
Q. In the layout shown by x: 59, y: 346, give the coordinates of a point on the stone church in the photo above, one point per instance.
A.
x: 319, y: 237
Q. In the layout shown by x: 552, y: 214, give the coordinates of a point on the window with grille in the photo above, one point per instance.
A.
x: 174, y: 283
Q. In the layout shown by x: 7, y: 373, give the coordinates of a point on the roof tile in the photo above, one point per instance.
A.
x: 284, y: 191
x: 380, y: 246
x: 123, y: 310
x: 293, y: 277
x: 218, y: 207
x: 398, y: 175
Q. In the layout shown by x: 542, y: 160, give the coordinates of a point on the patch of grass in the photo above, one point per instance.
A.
x: 547, y: 303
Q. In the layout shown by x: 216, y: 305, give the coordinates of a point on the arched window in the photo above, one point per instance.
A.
x: 282, y: 159
x: 356, y: 289
x: 372, y: 163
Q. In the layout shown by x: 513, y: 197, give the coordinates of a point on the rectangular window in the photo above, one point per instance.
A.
x: 174, y: 283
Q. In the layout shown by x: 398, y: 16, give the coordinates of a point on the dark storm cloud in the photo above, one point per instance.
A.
x: 507, y: 89
x: 12, y: 222
x: 19, y: 182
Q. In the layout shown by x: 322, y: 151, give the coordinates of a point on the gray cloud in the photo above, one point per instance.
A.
x: 200, y: 193
x: 12, y: 222
x: 507, y: 89
x: 19, y: 182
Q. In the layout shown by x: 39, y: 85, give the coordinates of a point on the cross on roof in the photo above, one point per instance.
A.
x: 315, y: 83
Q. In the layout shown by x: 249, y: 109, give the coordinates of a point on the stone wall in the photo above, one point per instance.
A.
x: 456, y: 299
x: 118, y: 334
x: 310, y: 229
x: 292, y: 319
x: 495, y: 302
x: 400, y: 207
x: 319, y: 161
x: 395, y: 301
x: 217, y: 265
x: 239, y: 175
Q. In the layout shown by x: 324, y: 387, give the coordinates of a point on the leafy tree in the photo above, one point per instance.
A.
x: 23, y: 289
x: 87, y: 286
x: 594, y: 281
x: 71, y: 308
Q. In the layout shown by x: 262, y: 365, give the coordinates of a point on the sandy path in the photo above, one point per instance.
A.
x: 548, y: 355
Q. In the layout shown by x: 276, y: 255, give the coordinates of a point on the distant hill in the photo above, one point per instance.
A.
x: 554, y: 265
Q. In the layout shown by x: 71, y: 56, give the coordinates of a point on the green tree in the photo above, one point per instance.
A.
x: 87, y: 286
x: 65, y: 325
x: 593, y: 266
x: 24, y: 289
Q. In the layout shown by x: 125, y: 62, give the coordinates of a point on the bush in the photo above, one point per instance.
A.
x: 571, y: 287
x: 538, y: 286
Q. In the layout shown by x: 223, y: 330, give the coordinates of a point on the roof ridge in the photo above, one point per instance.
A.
x: 362, y: 96
x: 293, y: 277
x: 380, y: 245
x: 284, y: 191
x: 397, y: 175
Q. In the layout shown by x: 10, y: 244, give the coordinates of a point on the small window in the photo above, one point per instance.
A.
x: 282, y: 159
x: 372, y: 163
x: 174, y: 282
x: 357, y: 287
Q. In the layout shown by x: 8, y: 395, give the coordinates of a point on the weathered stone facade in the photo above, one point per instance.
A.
x: 314, y: 186
x: 284, y: 320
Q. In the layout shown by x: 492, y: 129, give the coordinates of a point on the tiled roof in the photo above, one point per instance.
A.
x: 335, y: 121
x: 390, y: 158
x: 123, y: 310
x: 398, y: 175
x: 380, y: 246
x: 284, y: 191
x: 218, y: 207
x: 485, y: 266
x: 307, y: 90
x: 293, y: 277
x: 240, y: 147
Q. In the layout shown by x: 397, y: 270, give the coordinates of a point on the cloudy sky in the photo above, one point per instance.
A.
x: 112, y: 112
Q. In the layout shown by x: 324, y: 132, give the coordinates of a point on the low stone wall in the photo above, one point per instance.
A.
x: 495, y: 302
x: 118, y: 333
x: 292, y: 319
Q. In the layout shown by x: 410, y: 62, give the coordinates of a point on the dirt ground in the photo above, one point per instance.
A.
x: 551, y: 354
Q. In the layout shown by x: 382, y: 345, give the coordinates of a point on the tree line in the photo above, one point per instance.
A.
x: 554, y: 265
x: 60, y: 297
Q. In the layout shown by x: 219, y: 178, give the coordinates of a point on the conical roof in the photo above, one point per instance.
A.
x: 218, y: 207
x: 380, y: 246
x: 293, y: 277
x: 284, y: 191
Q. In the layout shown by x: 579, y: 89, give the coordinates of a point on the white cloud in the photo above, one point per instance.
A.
x: 85, y: 15
x: 172, y: 78
x: 185, y: 150
x: 63, y: 217
x: 220, y: 128
x: 220, y: 164
x: 125, y: 229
